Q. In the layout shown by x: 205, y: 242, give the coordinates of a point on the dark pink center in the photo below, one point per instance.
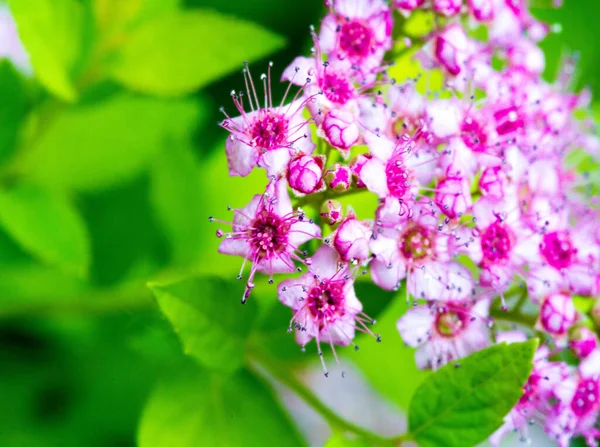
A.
x: 268, y: 234
x: 325, y: 301
x: 398, y: 178
x: 496, y: 243
x: 586, y: 397
x: 473, y: 135
x: 355, y: 39
x: 337, y: 88
x: 416, y: 243
x: 508, y: 120
x: 557, y: 249
x: 269, y: 130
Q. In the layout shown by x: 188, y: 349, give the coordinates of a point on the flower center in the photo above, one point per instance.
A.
x: 326, y: 302
x: 496, y: 243
x: 268, y: 235
x: 417, y: 243
x: 269, y: 130
x: 355, y: 39
x: 473, y: 135
x: 398, y: 178
x: 585, y: 398
x: 557, y: 249
x: 337, y: 88
x: 450, y: 323
x: 508, y: 120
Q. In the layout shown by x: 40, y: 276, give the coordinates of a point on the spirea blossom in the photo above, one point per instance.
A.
x: 477, y: 216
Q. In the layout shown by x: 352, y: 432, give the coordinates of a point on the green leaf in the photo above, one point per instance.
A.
x: 46, y: 225
x: 202, y: 408
x: 104, y: 144
x: 178, y: 53
x: 460, y: 407
x: 12, y: 108
x: 177, y: 195
x: 207, y: 315
x: 51, y: 33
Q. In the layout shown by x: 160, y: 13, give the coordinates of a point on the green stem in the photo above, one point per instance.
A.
x: 317, y: 199
x: 288, y: 378
x: 514, y: 316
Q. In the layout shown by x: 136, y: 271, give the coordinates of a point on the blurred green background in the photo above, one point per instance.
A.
x: 111, y: 161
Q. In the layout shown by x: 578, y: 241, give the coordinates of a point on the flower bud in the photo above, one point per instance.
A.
x: 339, y: 178
x: 482, y: 10
x: 332, y: 212
x: 305, y: 174
x: 493, y: 182
x: 341, y: 129
x: 447, y: 8
x: 351, y: 239
x: 356, y: 164
x: 557, y: 314
x: 408, y: 5
x: 453, y: 196
x: 582, y: 341
x: 450, y: 48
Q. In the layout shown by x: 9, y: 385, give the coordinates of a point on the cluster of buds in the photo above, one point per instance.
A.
x: 476, y: 195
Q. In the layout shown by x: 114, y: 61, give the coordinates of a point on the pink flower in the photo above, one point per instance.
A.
x: 266, y: 137
x: 408, y: 5
x: 351, y: 239
x: 482, y: 10
x: 339, y: 178
x: 445, y: 330
x: 493, y: 182
x: 453, y: 196
x: 356, y: 165
x: 267, y: 232
x: 557, y: 315
x: 324, y: 302
x: 356, y: 34
x: 305, y: 174
x: 332, y: 212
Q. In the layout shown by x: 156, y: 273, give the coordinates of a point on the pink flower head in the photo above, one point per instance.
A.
x: 583, y: 342
x: 447, y: 8
x: 446, y: 330
x: 351, y: 239
x: 538, y: 391
x: 339, y: 178
x: 356, y: 34
x: 332, y: 212
x: 493, y: 182
x: 305, y: 174
x: 267, y: 136
x: 324, y: 303
x: 268, y: 233
x: 557, y: 315
x: 453, y: 196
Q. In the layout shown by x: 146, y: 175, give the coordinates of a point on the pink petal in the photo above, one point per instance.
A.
x: 241, y: 158
x: 415, y: 325
x: 373, y: 175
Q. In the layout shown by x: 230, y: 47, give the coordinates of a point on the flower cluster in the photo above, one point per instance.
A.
x: 483, y: 215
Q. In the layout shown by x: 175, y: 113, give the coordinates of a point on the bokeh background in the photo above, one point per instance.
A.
x: 111, y: 161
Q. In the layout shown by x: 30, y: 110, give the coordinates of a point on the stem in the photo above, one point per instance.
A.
x: 317, y: 199
x: 336, y: 422
x: 514, y: 316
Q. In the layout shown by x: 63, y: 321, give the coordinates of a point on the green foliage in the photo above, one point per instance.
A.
x: 198, y: 407
x: 211, y: 324
x: 341, y: 440
x: 177, y: 53
x: 12, y: 108
x: 462, y: 406
x: 99, y: 145
x: 46, y: 225
x: 51, y: 30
